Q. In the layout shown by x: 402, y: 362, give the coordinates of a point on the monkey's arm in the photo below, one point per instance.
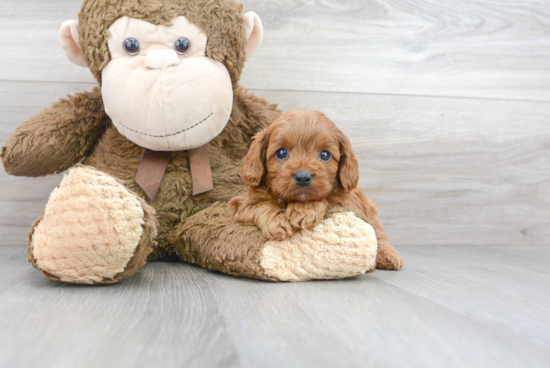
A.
x: 57, y: 138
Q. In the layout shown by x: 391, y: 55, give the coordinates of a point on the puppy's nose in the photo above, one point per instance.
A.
x: 303, y: 178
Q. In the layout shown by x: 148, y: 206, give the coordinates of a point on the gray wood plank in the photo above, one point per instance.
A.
x: 506, y: 288
x: 367, y: 322
x: 443, y: 171
x: 31, y: 49
x: 162, y: 317
x: 473, y: 48
x: 450, y: 306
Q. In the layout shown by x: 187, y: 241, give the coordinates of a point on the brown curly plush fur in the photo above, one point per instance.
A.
x: 77, y: 128
x: 57, y: 138
x: 221, y: 21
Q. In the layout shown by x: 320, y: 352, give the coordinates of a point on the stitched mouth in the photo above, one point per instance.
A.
x: 169, y: 135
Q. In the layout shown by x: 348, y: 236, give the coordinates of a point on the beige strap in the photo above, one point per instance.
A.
x: 151, y: 171
x: 153, y: 166
x: 201, y: 171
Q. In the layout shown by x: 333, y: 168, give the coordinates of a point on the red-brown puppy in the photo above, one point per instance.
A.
x: 298, y: 168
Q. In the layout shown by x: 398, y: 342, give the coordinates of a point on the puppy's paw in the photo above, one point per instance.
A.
x: 277, y: 228
x: 306, y: 215
x: 388, y: 258
x: 234, y: 205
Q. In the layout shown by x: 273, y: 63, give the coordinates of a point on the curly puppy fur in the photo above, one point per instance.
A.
x: 279, y: 205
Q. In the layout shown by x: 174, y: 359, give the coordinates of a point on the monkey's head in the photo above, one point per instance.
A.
x: 167, y: 68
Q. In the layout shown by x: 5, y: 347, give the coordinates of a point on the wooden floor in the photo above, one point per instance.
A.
x: 447, y: 104
x: 450, y: 307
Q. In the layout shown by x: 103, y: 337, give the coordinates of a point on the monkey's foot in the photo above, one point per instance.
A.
x: 94, y: 230
x: 342, y: 245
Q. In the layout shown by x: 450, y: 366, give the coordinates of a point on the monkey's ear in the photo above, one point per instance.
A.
x: 69, y: 42
x: 254, y: 32
x: 348, y: 172
x: 253, y: 170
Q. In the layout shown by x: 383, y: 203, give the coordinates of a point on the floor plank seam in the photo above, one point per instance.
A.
x: 328, y: 91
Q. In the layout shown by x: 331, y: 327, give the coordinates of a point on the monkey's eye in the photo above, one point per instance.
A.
x: 182, y: 45
x: 281, y: 154
x: 325, y: 155
x: 132, y: 46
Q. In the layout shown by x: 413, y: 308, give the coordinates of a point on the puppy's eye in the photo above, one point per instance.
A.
x: 131, y: 46
x: 281, y: 154
x: 182, y: 45
x: 325, y: 155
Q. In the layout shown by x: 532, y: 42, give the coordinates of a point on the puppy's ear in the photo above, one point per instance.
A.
x: 348, y: 170
x: 253, y: 169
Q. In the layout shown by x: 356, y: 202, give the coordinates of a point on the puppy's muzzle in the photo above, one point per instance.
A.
x: 303, y: 178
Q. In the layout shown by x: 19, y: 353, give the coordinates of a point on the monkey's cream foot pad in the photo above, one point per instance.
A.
x: 341, y: 246
x: 91, y: 229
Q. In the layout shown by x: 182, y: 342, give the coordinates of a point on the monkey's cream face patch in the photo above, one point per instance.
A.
x: 158, y: 98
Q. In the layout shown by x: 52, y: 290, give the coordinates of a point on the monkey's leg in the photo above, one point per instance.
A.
x: 342, y: 245
x: 94, y: 230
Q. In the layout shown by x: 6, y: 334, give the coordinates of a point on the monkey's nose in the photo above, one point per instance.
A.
x: 161, y: 59
x: 303, y: 178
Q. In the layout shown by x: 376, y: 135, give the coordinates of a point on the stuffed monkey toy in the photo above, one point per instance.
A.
x: 154, y: 153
